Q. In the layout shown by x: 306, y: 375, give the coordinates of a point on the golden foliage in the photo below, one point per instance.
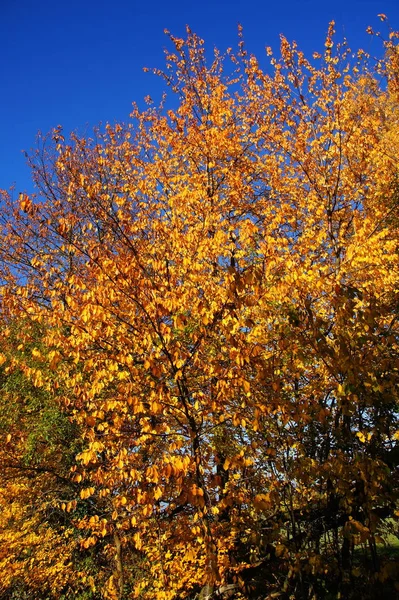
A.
x: 217, y: 287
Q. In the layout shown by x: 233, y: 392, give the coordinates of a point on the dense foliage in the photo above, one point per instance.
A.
x: 200, y: 351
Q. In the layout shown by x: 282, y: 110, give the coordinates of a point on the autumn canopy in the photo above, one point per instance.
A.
x: 199, y: 341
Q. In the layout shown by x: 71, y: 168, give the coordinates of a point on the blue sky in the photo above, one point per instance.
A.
x: 79, y: 62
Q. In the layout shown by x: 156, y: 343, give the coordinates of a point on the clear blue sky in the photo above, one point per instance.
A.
x: 79, y: 62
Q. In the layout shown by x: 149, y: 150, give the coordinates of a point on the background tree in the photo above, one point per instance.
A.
x: 38, y: 536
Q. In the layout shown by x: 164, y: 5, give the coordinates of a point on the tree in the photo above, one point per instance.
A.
x: 39, y: 540
x: 217, y: 290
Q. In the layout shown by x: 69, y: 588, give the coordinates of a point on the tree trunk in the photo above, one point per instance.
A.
x: 118, y: 565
